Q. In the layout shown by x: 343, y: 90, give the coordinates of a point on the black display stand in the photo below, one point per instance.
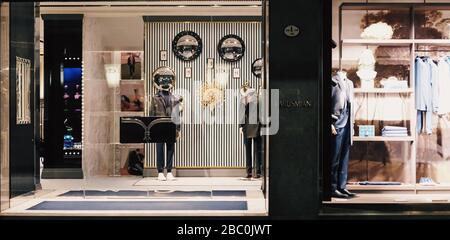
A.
x: 147, y: 130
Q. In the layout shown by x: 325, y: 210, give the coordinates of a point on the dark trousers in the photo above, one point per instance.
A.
x: 257, y: 153
x: 132, y: 69
x: 340, y: 153
x: 160, y: 156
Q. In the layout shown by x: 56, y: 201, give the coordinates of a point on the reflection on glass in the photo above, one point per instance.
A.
x: 112, y: 72
x: 432, y: 24
x: 376, y: 24
x: 23, y: 76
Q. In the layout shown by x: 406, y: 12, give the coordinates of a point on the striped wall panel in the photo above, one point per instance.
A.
x: 203, y: 145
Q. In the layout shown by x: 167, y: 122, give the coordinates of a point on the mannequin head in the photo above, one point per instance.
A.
x: 164, y: 79
x: 165, y: 83
x: 342, y: 74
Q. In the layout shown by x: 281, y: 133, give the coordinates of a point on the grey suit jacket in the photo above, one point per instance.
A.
x: 337, y: 101
x: 249, y: 129
x: 159, y: 108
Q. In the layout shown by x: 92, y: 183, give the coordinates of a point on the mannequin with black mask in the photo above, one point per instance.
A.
x: 165, y: 104
x: 342, y: 130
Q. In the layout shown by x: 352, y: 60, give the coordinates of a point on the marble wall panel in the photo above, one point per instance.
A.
x: 101, y: 109
x: 4, y: 106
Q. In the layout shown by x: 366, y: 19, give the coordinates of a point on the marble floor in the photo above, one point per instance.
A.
x: 52, y: 189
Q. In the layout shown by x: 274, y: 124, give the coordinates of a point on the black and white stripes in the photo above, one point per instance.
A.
x: 203, y: 145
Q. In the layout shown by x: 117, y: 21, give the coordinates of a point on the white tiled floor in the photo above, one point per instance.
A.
x: 52, y: 188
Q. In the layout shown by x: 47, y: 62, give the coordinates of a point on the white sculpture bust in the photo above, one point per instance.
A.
x: 366, y: 69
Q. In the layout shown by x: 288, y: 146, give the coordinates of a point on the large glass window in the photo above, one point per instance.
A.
x: 388, y: 64
x: 154, y: 102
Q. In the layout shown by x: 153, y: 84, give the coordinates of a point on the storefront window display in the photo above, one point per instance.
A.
x: 121, y: 80
x: 389, y: 117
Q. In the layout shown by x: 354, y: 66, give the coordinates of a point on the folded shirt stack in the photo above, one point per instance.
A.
x: 426, y: 181
x: 394, y: 131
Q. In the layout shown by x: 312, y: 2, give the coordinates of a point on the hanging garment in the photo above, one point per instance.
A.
x: 424, y: 80
x: 426, y: 92
x: 443, y: 97
x: 424, y: 116
x: 444, y: 125
x: 434, y: 79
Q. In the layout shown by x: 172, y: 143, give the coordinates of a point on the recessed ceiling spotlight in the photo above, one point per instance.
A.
x: 181, y: 6
x: 215, y: 5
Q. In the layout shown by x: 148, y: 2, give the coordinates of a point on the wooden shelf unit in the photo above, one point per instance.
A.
x: 383, y: 139
x: 395, y: 42
x: 383, y: 90
x: 375, y: 42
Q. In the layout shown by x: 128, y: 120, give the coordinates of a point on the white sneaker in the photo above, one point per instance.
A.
x: 170, y: 177
x: 161, y: 177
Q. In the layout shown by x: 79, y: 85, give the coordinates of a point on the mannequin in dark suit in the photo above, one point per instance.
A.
x: 250, y: 128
